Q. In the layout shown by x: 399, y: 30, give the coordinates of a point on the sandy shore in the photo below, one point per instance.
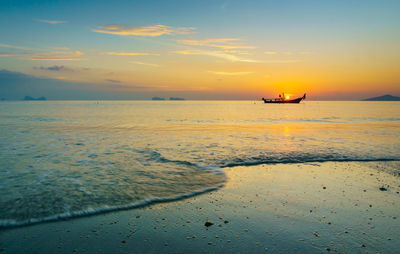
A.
x: 282, y: 208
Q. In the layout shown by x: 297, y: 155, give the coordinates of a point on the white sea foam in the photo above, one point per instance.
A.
x: 103, y: 209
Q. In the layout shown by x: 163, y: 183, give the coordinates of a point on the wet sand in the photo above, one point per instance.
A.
x: 345, y: 207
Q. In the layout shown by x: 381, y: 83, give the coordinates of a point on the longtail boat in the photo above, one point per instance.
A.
x: 284, y: 99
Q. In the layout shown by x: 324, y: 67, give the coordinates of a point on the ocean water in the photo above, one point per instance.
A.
x: 60, y: 159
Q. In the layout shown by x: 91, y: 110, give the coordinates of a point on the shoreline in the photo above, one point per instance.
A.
x: 304, y: 207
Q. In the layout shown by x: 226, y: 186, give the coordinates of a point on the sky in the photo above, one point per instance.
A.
x: 206, y: 49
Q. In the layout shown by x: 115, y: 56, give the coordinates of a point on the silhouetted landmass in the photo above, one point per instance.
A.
x: 176, y: 99
x: 386, y: 97
x: 157, y: 99
x: 29, y: 98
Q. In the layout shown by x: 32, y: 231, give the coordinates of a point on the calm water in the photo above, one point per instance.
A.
x: 63, y: 159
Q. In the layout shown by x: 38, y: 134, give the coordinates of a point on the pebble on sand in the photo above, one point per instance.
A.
x: 208, y: 223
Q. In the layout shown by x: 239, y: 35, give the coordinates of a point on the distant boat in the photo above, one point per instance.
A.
x: 284, y: 99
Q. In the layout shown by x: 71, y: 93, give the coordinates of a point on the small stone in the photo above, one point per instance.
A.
x: 363, y: 245
x: 226, y: 222
x: 208, y: 223
x: 328, y: 249
x: 324, y: 189
x: 123, y: 241
x: 209, y: 243
x: 382, y: 189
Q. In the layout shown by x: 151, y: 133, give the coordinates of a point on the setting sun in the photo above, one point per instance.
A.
x: 287, y: 97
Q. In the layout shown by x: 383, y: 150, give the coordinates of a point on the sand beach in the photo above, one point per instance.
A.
x: 344, y: 207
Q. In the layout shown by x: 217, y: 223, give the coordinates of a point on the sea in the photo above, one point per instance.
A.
x: 63, y: 159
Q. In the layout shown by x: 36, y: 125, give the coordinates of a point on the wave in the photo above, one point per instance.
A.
x: 240, y: 162
x: 104, y: 209
x: 216, y: 169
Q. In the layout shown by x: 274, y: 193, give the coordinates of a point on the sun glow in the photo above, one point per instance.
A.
x: 287, y: 97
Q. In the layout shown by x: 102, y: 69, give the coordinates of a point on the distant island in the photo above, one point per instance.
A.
x: 386, y: 97
x: 29, y: 98
x: 157, y: 99
x: 176, y: 99
x: 170, y: 98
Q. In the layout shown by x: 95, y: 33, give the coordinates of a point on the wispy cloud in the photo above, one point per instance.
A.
x: 10, y: 54
x: 223, y: 43
x: 53, y: 68
x: 219, y: 54
x: 52, y: 22
x: 129, y: 54
x: 13, y: 47
x: 147, y: 64
x: 151, y: 31
x: 54, y: 59
x: 231, y: 73
x: 282, y: 61
x: 58, y: 56
x: 240, y: 52
x: 270, y: 52
x: 113, y: 81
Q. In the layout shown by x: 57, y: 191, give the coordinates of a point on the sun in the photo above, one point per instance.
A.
x: 287, y: 97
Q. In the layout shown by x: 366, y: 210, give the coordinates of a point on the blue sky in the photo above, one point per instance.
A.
x: 251, y: 48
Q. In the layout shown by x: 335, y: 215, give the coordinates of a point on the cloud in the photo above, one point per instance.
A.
x: 53, y: 68
x: 230, y: 73
x: 270, y: 52
x: 60, y: 55
x: 10, y: 54
x: 240, y: 52
x: 13, y: 47
x: 129, y: 54
x: 223, y: 43
x: 113, y: 81
x: 57, y: 56
x: 284, y: 61
x: 52, y: 22
x: 54, y: 59
x: 151, y: 31
x: 147, y: 64
x: 219, y: 54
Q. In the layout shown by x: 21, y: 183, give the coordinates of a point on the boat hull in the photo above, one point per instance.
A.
x: 297, y: 100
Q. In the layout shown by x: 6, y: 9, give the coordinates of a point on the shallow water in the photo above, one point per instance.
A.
x: 63, y: 159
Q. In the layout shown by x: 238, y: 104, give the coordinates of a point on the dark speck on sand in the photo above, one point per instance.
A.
x: 208, y: 224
